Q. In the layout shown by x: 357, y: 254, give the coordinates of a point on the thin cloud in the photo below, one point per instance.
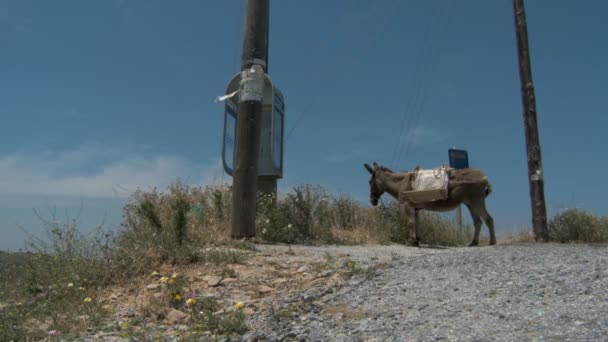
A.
x: 113, y: 175
x: 422, y: 135
x: 355, y: 17
x: 347, y: 155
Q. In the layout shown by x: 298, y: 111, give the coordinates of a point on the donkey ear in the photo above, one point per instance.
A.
x: 368, y: 168
x: 376, y: 165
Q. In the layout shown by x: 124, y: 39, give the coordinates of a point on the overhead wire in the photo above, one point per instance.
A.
x: 240, y: 21
x: 311, y: 100
x: 314, y: 99
x: 421, y: 95
x: 415, y: 88
x: 433, y: 66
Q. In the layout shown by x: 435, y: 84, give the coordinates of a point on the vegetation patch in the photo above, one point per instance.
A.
x: 64, y: 284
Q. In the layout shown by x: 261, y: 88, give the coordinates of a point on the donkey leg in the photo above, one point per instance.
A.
x: 416, y: 227
x: 477, y: 223
x: 411, y: 225
x: 487, y: 218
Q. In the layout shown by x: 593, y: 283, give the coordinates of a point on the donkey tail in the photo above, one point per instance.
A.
x: 488, y: 186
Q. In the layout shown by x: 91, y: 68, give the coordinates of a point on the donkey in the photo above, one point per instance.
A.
x: 468, y: 186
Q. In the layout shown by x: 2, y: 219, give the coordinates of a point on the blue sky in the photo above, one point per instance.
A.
x: 100, y: 98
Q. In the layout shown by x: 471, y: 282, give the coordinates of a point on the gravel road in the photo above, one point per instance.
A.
x: 531, y: 292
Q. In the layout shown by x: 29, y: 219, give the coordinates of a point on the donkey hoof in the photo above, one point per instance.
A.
x: 492, y: 242
x: 474, y: 244
x: 414, y: 243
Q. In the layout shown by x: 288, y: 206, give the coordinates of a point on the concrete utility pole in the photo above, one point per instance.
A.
x: 245, y: 175
x: 535, y: 172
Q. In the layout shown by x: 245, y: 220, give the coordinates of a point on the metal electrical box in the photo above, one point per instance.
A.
x: 459, y: 159
x: 270, y: 159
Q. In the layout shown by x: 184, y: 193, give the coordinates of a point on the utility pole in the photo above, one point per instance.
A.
x: 535, y: 172
x: 254, y: 62
x: 459, y: 217
x: 459, y: 159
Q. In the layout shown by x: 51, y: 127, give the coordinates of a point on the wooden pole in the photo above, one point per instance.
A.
x: 535, y: 173
x: 459, y: 217
x: 245, y: 174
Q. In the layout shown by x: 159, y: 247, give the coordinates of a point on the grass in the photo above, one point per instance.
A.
x: 42, y: 295
x: 520, y: 236
x: 310, y: 215
x: 353, y: 269
x: 576, y: 225
x: 207, y: 316
x: 222, y: 256
x: 568, y: 226
x: 56, y: 286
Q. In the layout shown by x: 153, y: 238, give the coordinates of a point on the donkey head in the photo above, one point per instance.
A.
x: 376, y: 186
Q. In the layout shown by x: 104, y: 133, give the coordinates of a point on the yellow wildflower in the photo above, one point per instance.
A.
x: 164, y: 279
x: 171, y: 281
x: 154, y: 273
x: 88, y: 300
x: 178, y: 297
x: 191, y: 301
x: 239, y: 305
x: 70, y: 285
x: 174, y: 275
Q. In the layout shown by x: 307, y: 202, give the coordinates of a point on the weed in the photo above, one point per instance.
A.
x: 575, y: 225
x: 345, y: 213
x: 55, y: 285
x: 227, y: 272
x: 222, y: 256
x: 351, y: 269
x: 207, y: 316
x: 301, y: 217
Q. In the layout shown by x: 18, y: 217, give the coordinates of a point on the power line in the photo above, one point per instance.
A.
x: 416, y: 88
x: 237, y: 38
x: 293, y: 127
x: 433, y: 66
x: 313, y: 99
x: 414, y: 94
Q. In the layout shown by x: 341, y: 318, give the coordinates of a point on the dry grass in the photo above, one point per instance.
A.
x: 61, y: 285
x: 576, y: 225
x: 311, y: 215
x: 521, y: 236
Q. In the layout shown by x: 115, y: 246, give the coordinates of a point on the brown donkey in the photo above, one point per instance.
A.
x: 468, y: 186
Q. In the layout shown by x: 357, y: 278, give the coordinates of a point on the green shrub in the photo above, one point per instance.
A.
x: 207, y: 316
x: 576, y: 225
x: 433, y: 229
x: 170, y: 227
x: 301, y: 217
x: 55, y: 286
x: 307, y: 215
x: 12, y: 327
x: 346, y: 212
